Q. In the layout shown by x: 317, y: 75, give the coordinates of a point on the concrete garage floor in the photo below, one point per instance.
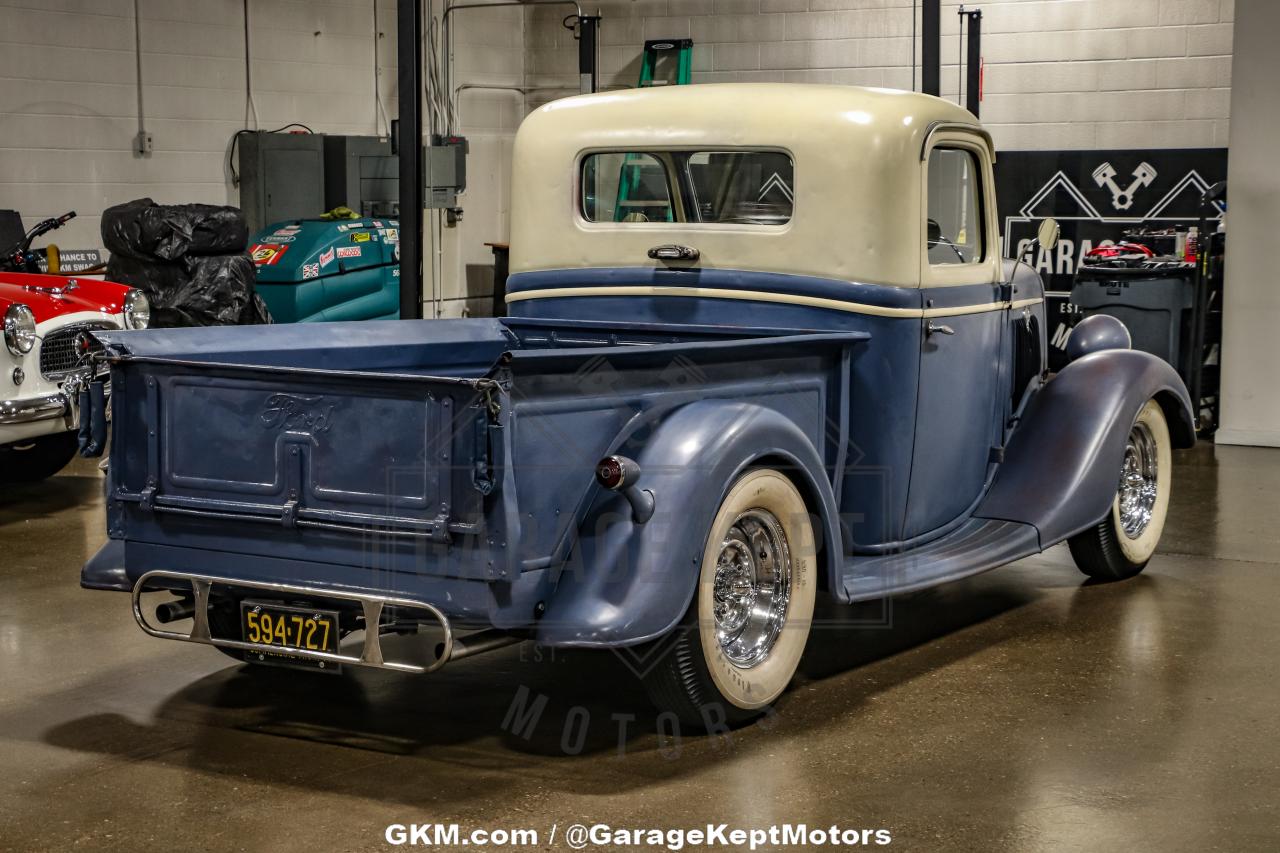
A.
x: 1020, y: 710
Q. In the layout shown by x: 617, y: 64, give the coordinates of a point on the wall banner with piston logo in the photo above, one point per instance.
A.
x: 1097, y: 196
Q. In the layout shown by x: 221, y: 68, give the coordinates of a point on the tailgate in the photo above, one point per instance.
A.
x: 342, y: 451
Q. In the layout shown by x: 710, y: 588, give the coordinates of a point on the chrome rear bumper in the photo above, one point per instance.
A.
x: 371, y: 605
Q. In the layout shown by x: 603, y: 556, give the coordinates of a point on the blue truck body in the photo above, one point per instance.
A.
x: 453, y: 461
x: 446, y: 460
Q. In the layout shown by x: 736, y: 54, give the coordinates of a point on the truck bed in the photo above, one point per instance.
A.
x: 391, y: 455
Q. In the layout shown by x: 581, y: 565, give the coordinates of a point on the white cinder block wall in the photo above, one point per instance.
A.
x: 489, y: 52
x: 1060, y: 74
x: 68, y: 101
x: 1250, y: 358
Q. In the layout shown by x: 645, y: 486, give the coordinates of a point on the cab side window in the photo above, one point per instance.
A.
x: 739, y: 187
x: 625, y: 187
x: 955, y: 233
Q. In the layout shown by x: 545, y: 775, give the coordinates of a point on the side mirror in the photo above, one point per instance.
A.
x: 1048, y: 232
x: 1046, y: 238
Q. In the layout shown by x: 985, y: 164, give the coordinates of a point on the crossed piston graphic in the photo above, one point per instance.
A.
x: 1122, y: 197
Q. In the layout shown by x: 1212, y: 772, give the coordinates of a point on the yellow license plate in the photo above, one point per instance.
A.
x: 290, y: 628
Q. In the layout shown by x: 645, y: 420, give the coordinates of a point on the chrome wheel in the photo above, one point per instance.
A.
x: 751, y: 588
x: 1139, y: 481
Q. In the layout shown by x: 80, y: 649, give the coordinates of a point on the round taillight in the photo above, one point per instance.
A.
x: 616, y: 472
x: 609, y: 472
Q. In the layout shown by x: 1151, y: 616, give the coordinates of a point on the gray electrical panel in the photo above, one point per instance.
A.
x: 281, y: 177
x: 361, y: 173
x: 445, y: 172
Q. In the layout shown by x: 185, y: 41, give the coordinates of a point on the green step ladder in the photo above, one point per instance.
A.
x: 632, y: 172
x: 655, y: 50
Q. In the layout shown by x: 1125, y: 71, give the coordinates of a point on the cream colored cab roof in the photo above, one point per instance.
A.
x: 856, y: 152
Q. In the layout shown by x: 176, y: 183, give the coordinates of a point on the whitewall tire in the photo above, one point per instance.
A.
x: 1122, y: 544
x: 741, y: 640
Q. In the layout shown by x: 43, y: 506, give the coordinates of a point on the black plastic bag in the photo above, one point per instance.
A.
x: 196, y: 291
x: 144, y: 230
x: 188, y: 258
x: 255, y: 312
x: 157, y: 278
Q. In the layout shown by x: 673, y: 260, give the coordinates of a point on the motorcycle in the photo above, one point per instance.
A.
x: 22, y: 258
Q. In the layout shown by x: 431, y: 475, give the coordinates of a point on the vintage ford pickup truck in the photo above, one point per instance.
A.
x: 762, y: 345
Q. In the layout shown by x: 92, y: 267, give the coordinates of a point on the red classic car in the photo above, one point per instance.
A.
x: 42, y: 366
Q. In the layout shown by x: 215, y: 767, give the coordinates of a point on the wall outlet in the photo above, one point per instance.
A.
x: 142, y: 143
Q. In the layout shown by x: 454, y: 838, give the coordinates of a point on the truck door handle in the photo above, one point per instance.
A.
x: 673, y: 252
x: 938, y: 329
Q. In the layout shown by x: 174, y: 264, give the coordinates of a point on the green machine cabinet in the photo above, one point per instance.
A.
x: 312, y: 270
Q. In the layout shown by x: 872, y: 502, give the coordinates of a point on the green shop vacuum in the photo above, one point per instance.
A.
x: 312, y: 270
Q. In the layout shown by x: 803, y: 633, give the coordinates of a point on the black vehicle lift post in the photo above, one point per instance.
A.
x: 931, y: 47
x: 409, y: 149
x: 973, y: 62
x: 588, y: 54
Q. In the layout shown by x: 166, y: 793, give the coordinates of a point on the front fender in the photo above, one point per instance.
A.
x: 626, y: 583
x: 1063, y: 463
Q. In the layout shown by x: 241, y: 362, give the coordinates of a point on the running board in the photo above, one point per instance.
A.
x: 975, y: 546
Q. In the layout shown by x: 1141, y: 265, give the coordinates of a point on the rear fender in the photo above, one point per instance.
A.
x: 625, y: 582
x: 1063, y: 462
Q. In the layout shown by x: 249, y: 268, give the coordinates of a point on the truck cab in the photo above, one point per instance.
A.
x: 819, y: 207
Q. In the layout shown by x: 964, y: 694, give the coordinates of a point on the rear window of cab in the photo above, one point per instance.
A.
x: 727, y: 187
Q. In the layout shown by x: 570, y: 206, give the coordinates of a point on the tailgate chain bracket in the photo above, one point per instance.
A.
x: 439, y: 532
x: 289, y: 513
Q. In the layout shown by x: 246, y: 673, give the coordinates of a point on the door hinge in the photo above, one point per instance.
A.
x: 996, y: 455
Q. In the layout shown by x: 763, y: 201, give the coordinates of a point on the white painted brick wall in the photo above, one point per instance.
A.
x: 1059, y: 73
x: 489, y: 50
x: 68, y: 104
